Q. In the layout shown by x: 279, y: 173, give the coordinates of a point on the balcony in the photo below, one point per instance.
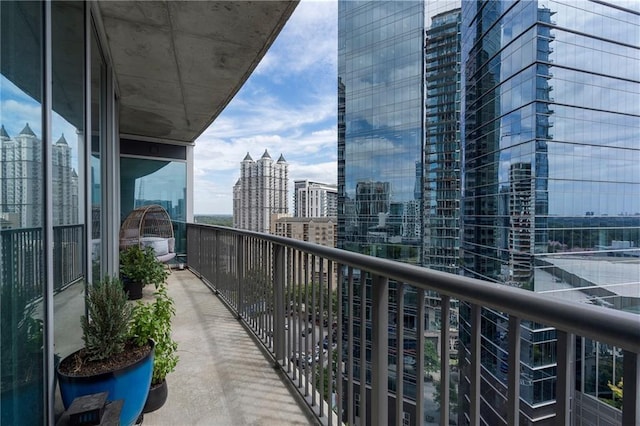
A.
x: 256, y: 320
x: 270, y: 312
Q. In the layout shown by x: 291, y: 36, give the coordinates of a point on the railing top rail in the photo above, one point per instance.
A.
x: 618, y: 328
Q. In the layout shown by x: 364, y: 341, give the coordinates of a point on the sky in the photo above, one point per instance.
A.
x: 287, y: 106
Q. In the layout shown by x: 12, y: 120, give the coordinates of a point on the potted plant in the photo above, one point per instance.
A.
x: 21, y: 359
x: 139, y: 267
x: 111, y: 360
x: 153, y: 321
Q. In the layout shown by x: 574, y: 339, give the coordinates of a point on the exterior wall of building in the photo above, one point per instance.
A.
x: 551, y: 118
x: 380, y: 149
x: 260, y: 192
x: 441, y: 235
x: 314, y: 199
x: 380, y: 138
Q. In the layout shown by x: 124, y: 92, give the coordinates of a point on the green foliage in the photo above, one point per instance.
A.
x: 431, y: 358
x: 141, y: 266
x: 153, y: 321
x: 453, y: 395
x: 215, y: 219
x: 617, y: 391
x: 106, y: 330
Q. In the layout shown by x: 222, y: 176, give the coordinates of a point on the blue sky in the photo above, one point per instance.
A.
x: 288, y: 106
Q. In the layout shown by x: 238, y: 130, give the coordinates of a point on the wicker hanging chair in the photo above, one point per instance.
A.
x: 149, y: 226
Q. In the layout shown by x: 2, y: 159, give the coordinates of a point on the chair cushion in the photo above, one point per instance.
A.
x: 160, y: 245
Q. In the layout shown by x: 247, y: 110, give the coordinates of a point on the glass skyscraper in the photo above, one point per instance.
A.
x: 551, y: 182
x: 527, y: 174
x: 380, y: 154
x: 380, y: 71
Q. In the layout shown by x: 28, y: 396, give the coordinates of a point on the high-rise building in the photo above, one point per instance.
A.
x: 441, y: 235
x: 380, y: 156
x: 551, y: 172
x: 314, y: 199
x: 21, y: 178
x: 64, y: 185
x: 20, y: 181
x: 380, y: 74
x: 536, y: 186
x: 260, y: 192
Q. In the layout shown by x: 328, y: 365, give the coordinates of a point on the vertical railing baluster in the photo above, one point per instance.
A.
x: 513, y: 367
x: 339, y: 337
x: 380, y: 348
x: 350, y: 372
x: 445, y: 381
x: 420, y: 314
x: 631, y: 380
x: 399, y: 353
x: 330, y: 372
x: 320, y: 321
x: 305, y: 324
x: 312, y: 334
x: 279, y: 266
x: 565, y: 349
x: 239, y: 275
x: 474, y: 373
x: 363, y: 348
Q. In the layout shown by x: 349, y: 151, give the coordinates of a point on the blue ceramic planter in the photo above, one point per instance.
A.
x: 130, y: 384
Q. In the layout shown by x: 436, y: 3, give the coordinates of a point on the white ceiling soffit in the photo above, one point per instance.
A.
x: 179, y: 63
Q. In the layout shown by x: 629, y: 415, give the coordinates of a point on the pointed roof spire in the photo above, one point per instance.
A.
x: 62, y: 141
x: 73, y: 173
x: 3, y: 132
x: 247, y: 157
x: 281, y: 159
x: 27, y: 131
x: 266, y: 154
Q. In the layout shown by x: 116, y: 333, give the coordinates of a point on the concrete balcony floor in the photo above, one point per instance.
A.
x: 222, y: 377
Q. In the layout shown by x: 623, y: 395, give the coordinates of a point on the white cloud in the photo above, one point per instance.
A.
x: 288, y: 106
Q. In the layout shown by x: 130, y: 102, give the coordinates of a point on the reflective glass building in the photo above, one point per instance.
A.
x: 380, y: 153
x: 551, y: 182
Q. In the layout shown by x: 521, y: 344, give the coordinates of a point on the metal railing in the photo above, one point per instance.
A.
x: 22, y: 259
x: 286, y: 290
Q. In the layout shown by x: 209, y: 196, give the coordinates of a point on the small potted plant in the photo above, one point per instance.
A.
x: 153, y: 321
x: 111, y: 361
x: 139, y: 267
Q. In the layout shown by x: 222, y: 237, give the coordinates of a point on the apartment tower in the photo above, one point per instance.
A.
x: 260, y: 192
x: 314, y: 199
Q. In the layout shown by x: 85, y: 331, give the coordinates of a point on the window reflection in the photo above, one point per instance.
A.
x: 22, y: 275
x: 163, y: 182
x: 67, y: 127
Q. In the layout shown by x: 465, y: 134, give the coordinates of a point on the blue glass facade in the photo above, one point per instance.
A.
x: 380, y: 70
x: 380, y: 155
x: 551, y: 172
x: 441, y: 239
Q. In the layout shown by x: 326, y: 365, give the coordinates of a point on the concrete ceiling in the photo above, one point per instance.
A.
x: 179, y: 63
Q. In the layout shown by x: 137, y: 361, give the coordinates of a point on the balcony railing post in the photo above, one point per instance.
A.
x: 445, y: 384
x: 474, y: 409
x: 420, y: 316
x: 631, y: 380
x: 399, y: 352
x: 240, y: 274
x: 380, y: 348
x: 513, y: 368
x: 279, y: 273
x: 565, y: 345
